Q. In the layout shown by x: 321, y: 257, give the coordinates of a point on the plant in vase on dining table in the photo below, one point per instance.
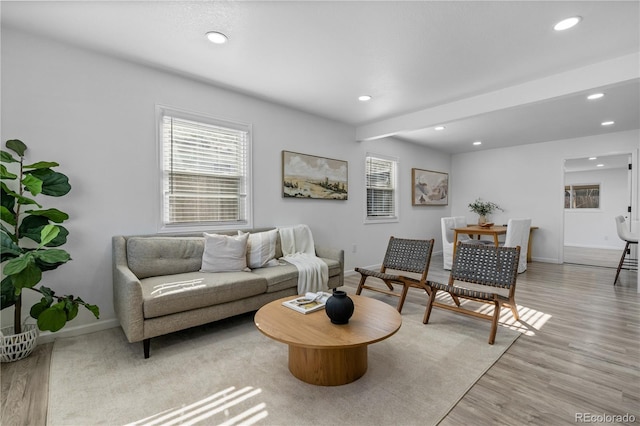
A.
x: 483, y: 209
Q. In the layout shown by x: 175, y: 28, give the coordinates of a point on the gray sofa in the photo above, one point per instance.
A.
x: 158, y: 287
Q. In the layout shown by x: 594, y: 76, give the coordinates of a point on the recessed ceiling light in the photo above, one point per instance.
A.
x: 477, y: 143
x: 608, y: 123
x: 438, y: 128
x: 595, y: 96
x: 599, y: 165
x: 593, y: 158
x: 364, y: 98
x: 217, y: 37
x: 565, y: 24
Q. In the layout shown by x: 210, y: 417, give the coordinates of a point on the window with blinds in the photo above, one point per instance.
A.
x: 205, y: 178
x: 381, y: 188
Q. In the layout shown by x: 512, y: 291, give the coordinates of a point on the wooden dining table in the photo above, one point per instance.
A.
x: 476, y: 231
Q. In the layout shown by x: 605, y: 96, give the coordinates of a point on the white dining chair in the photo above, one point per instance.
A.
x: 629, y: 238
x: 447, y: 224
x: 518, y: 231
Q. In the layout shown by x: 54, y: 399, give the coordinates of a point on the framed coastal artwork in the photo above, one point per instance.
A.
x: 309, y: 176
x: 429, y: 188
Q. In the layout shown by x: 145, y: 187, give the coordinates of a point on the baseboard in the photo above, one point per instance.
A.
x: 47, y: 336
x: 370, y: 267
x: 596, y: 247
x: 545, y: 260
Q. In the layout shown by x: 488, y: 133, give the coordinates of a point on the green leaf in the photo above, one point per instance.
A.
x: 71, y: 309
x: 53, y: 183
x: 7, y: 215
x: 94, y: 309
x: 27, y: 277
x: 6, y: 200
x: 6, y: 157
x: 17, y: 264
x: 9, y: 249
x: 7, y: 293
x: 6, y: 192
x: 32, y: 184
x: 40, y: 307
x: 52, y: 256
x: 41, y: 165
x: 32, y: 226
x: 6, y: 174
x: 53, y: 215
x: 17, y: 146
x: 48, y: 233
x: 46, y: 292
x: 53, y: 318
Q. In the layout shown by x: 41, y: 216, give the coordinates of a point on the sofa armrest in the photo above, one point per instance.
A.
x: 127, y: 293
x: 335, y: 254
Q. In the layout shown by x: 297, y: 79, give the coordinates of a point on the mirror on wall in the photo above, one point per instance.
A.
x: 597, y: 189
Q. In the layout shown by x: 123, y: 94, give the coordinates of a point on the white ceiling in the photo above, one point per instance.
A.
x: 489, y: 71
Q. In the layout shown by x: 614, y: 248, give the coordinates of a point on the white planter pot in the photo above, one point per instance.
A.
x: 17, y: 346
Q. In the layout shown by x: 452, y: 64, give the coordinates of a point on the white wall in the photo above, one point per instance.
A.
x: 595, y: 228
x: 95, y: 116
x: 528, y: 181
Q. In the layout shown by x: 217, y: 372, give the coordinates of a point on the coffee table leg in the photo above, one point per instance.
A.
x: 328, y: 367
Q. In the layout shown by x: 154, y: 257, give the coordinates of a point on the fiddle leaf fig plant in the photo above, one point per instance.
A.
x: 29, y: 237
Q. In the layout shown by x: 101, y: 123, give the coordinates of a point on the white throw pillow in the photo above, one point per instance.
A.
x: 261, y: 248
x: 224, y: 253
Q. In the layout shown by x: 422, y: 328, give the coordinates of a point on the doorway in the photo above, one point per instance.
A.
x: 597, y: 189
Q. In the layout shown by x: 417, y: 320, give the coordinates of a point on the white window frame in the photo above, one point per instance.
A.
x: 394, y: 176
x: 164, y: 224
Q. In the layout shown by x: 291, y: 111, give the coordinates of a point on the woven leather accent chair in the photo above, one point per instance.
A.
x: 488, y: 269
x: 403, y: 255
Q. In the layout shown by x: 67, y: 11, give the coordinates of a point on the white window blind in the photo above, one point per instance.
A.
x: 381, y: 187
x: 204, y: 172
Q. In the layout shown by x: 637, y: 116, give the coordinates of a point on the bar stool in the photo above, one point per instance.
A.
x: 625, y: 235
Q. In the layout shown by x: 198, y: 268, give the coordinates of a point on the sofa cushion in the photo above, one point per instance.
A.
x: 169, y: 294
x: 157, y: 256
x: 261, y: 249
x: 280, y: 277
x: 285, y: 275
x: 224, y: 253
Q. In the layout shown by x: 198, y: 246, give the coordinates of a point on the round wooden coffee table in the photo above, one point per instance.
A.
x: 322, y: 353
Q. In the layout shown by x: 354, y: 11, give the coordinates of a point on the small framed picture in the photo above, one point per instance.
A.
x: 429, y: 188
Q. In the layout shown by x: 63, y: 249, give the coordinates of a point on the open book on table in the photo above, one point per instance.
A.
x: 310, y: 302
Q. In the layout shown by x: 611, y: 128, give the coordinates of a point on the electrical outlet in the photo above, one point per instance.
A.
x: 354, y: 248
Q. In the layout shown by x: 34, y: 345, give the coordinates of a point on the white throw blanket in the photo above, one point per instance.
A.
x: 298, y: 249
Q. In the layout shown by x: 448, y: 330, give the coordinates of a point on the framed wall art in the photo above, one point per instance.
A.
x: 309, y: 176
x: 429, y: 188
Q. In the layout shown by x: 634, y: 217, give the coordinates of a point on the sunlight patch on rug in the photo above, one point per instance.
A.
x: 219, y: 404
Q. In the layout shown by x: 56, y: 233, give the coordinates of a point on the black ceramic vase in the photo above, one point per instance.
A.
x: 339, y: 307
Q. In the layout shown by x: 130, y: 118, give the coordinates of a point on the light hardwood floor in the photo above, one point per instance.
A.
x: 606, y: 258
x: 585, y: 358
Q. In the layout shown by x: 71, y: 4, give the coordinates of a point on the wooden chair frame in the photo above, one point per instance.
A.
x: 405, y: 255
x: 484, y: 265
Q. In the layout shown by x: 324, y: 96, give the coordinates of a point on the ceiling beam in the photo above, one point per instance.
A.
x: 606, y: 73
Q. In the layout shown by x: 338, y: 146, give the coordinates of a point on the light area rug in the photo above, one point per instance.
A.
x: 228, y: 373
